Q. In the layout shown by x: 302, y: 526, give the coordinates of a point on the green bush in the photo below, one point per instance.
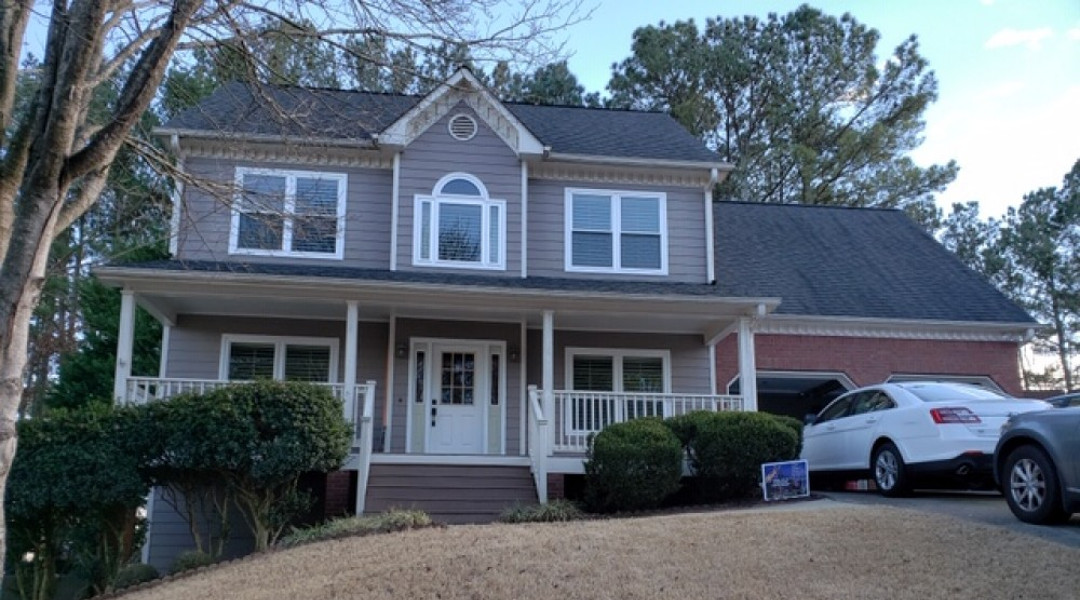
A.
x: 727, y: 448
x: 135, y: 574
x: 555, y: 511
x: 392, y: 520
x: 796, y: 426
x: 192, y: 559
x: 632, y: 466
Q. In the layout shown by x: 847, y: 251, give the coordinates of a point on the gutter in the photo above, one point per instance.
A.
x: 263, y: 138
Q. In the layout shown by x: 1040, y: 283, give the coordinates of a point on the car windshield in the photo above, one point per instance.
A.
x: 936, y: 392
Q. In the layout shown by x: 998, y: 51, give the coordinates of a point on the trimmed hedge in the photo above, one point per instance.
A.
x: 726, y: 449
x: 632, y: 466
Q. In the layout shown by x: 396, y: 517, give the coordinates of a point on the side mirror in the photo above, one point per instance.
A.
x: 810, y: 419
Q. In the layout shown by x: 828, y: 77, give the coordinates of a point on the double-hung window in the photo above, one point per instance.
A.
x: 459, y: 225
x: 614, y: 385
x: 250, y: 358
x: 616, y: 232
x: 288, y: 213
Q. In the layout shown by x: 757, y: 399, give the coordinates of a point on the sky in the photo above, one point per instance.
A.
x: 1008, y: 71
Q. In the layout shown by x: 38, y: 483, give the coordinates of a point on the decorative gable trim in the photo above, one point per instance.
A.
x: 619, y: 175
x: 462, y: 86
x: 884, y: 328
x: 291, y: 154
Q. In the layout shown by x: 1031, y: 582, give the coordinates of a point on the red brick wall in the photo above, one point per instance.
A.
x: 872, y: 360
x: 556, y: 486
x: 339, y: 489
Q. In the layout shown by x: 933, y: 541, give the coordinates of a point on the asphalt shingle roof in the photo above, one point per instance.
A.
x: 820, y: 261
x: 238, y: 108
x: 849, y: 262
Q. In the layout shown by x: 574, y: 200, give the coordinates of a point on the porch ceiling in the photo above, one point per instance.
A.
x: 168, y: 295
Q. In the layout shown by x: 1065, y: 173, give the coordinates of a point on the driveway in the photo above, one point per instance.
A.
x: 982, y: 507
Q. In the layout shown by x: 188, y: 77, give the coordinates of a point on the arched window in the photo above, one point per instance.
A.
x: 459, y: 225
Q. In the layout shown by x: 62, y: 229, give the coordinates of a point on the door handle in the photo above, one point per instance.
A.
x: 871, y: 420
x: 434, y: 413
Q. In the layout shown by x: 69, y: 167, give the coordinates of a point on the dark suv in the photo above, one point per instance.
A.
x: 1037, y: 465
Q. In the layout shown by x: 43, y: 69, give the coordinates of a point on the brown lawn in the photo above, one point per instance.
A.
x: 833, y: 552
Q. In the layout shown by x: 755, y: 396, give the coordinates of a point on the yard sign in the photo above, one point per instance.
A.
x: 784, y: 480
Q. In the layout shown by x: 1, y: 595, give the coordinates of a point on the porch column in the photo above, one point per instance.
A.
x: 747, y: 364
x: 125, y: 339
x: 548, y: 375
x: 351, y: 334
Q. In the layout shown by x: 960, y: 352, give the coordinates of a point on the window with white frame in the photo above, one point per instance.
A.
x: 616, y: 232
x: 248, y: 358
x: 288, y: 213
x: 459, y: 225
x: 614, y: 385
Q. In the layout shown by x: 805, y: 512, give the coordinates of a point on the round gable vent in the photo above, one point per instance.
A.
x: 462, y: 127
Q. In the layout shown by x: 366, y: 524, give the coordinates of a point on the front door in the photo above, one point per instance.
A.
x: 457, y: 377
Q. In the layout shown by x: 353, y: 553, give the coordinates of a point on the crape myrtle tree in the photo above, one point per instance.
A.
x: 801, y: 104
x: 55, y: 158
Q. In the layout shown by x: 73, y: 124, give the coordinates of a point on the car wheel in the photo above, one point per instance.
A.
x: 1031, y: 486
x: 890, y: 474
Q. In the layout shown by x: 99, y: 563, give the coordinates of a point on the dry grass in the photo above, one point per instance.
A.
x: 835, y: 553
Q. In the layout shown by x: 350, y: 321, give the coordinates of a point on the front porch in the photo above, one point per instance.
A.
x: 470, y: 375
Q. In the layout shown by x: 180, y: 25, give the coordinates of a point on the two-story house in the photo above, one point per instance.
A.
x: 485, y: 284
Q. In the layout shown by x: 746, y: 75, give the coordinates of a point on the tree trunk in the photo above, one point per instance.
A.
x: 22, y: 274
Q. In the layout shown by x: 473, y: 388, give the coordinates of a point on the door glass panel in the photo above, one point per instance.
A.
x: 458, y: 378
x: 493, y: 376
x: 419, y: 377
x: 251, y: 361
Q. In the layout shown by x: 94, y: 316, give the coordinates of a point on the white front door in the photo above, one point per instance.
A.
x: 458, y: 378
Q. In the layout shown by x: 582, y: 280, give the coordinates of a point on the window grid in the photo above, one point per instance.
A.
x: 459, y: 226
x: 309, y: 224
x: 621, y: 232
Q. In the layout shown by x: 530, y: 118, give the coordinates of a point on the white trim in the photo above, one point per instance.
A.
x: 395, y: 200
x: 523, y: 392
x: 391, y: 371
x: 125, y: 342
x: 616, y: 231
x: 710, y: 250
x: 177, y: 198
x: 279, y: 342
x: 603, y: 159
x: 504, y: 399
x: 415, y: 345
x: 524, y: 220
x: 620, y: 175
x: 979, y: 380
x: 892, y: 328
x: 617, y: 355
x: 163, y: 362
x: 450, y: 459
x: 144, y: 552
x: 288, y: 212
x: 712, y: 369
x: 352, y: 357
x: 436, y: 199
x: 840, y: 376
x: 747, y: 363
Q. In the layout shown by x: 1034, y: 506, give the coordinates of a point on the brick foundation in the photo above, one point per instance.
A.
x: 867, y: 361
x: 556, y: 484
x: 340, y: 488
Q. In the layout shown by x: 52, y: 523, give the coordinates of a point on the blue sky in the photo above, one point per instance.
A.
x: 1008, y: 78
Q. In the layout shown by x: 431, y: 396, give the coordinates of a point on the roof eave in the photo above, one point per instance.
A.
x: 638, y: 161
x: 167, y: 132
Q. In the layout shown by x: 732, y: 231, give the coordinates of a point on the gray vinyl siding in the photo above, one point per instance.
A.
x: 456, y: 330
x: 435, y: 154
x: 689, y: 356
x: 206, y: 216
x: 195, y: 346
x: 685, y: 224
x: 169, y: 535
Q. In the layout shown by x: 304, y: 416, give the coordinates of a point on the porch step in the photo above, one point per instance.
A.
x: 449, y: 493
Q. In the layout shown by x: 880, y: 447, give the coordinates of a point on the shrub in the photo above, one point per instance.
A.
x: 555, y: 511
x: 796, y: 426
x: 192, y: 559
x: 392, y: 520
x: 632, y: 466
x: 727, y: 449
x: 135, y: 574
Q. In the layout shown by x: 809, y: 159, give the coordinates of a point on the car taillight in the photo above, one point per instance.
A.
x: 944, y: 416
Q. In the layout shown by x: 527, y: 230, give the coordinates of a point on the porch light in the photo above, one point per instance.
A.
x: 401, y: 351
x: 512, y: 354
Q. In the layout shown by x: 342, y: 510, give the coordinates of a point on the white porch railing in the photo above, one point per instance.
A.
x: 140, y: 390
x: 539, y: 440
x: 580, y: 414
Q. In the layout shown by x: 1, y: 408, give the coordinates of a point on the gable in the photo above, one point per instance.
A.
x: 462, y: 88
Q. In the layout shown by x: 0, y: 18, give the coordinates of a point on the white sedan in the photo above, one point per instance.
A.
x: 901, y: 433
